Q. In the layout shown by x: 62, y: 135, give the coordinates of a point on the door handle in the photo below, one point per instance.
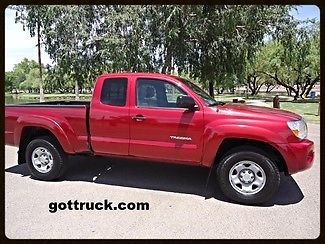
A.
x: 138, y: 117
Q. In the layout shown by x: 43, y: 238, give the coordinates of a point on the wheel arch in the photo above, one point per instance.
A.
x: 29, y: 133
x: 269, y: 151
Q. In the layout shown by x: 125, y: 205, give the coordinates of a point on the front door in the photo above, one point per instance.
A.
x: 160, y: 130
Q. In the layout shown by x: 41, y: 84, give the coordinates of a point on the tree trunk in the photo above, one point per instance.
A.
x: 269, y: 88
x: 76, y: 89
x: 311, y: 85
x: 168, y: 60
x: 220, y: 90
x: 288, y: 92
x: 296, y: 95
x: 253, y: 86
x: 211, y: 89
x: 41, y: 92
x: 232, y: 90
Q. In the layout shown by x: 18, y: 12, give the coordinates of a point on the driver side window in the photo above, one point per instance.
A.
x: 157, y: 93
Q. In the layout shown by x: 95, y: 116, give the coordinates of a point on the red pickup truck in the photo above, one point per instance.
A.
x: 164, y: 118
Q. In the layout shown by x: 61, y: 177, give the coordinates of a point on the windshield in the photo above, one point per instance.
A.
x: 201, y: 93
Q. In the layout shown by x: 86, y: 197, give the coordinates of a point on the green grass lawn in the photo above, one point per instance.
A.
x: 307, y: 110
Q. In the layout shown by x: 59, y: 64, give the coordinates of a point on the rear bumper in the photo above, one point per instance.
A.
x: 299, y: 156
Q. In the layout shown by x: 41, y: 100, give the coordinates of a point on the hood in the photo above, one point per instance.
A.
x: 257, y: 112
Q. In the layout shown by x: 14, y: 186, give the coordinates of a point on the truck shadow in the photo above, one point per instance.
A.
x: 158, y: 176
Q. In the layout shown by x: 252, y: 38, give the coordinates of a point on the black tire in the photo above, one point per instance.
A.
x: 260, y: 158
x: 57, y: 155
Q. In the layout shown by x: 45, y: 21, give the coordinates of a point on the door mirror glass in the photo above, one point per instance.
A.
x: 184, y: 101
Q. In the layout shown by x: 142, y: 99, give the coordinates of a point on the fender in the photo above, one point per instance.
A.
x: 59, y: 128
x: 216, y: 132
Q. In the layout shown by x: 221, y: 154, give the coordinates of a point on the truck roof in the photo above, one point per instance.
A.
x: 147, y: 74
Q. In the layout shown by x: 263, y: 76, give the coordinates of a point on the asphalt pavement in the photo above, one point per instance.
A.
x: 179, y: 205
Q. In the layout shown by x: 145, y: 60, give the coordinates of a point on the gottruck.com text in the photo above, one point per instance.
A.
x: 103, y: 205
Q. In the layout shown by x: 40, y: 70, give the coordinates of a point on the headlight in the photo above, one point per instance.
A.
x: 299, y: 128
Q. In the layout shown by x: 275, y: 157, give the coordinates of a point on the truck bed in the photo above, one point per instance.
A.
x: 72, y: 116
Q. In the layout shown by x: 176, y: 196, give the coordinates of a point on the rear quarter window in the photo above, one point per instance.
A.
x: 114, y: 91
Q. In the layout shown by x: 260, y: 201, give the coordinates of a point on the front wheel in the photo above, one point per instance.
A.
x: 45, y: 158
x: 248, y: 176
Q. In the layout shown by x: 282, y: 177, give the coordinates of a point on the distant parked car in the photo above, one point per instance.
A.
x: 313, y: 94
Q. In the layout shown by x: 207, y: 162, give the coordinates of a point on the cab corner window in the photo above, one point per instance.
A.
x: 114, y: 91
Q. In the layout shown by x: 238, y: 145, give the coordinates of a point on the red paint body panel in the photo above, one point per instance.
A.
x: 109, y: 125
x: 151, y: 138
x: 299, y: 156
x: 166, y: 134
x: 67, y: 124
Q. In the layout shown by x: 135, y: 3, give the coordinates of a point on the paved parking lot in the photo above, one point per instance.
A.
x: 178, y: 206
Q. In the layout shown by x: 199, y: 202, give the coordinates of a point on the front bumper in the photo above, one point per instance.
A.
x: 299, y: 156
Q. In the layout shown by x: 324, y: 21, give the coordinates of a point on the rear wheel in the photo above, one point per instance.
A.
x: 247, y: 175
x: 45, y: 158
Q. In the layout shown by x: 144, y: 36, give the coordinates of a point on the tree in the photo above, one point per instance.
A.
x: 19, y: 74
x: 57, y: 80
x: 32, y: 81
x: 171, y: 28
x: 34, y: 18
x: 68, y: 41
x: 211, y: 43
x: 255, y: 77
x: 295, y: 62
x: 123, y: 41
x: 226, y: 37
x: 9, y: 81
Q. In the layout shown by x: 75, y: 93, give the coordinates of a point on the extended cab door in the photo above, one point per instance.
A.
x: 109, y: 116
x: 160, y: 130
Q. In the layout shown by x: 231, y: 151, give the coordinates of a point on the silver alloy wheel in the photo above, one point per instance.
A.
x: 42, y: 160
x: 247, y: 177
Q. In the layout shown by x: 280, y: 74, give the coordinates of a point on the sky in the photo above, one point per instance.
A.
x: 19, y: 44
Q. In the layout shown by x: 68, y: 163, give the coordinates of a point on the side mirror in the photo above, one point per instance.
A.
x: 188, y: 102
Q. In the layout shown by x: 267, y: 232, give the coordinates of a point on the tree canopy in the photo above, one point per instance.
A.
x: 294, y: 59
x: 219, y: 45
x: 19, y: 74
